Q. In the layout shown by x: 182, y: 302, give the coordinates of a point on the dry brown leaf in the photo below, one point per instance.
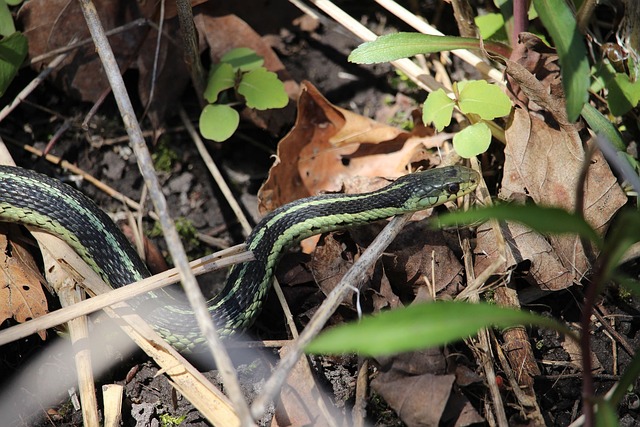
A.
x: 21, y: 295
x: 543, y: 159
x: 327, y: 145
x: 416, y: 385
x: 52, y: 24
x: 418, y: 400
x: 299, y: 398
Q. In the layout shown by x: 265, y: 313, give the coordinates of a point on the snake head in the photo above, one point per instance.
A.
x: 436, y: 186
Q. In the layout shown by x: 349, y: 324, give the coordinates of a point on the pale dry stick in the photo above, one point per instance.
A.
x: 33, y: 84
x: 68, y: 295
x: 192, y: 384
x: 98, y: 302
x: 231, y: 200
x: 112, y: 399
x: 483, y: 349
x: 359, y: 412
x: 356, y: 274
x: 145, y: 163
x: 420, y: 25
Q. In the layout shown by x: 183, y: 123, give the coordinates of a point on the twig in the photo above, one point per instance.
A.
x: 190, y: 45
x: 145, y: 163
x: 31, y: 86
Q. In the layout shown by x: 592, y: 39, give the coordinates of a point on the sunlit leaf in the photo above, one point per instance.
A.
x: 404, y: 45
x: 218, y: 122
x: 420, y: 326
x: 6, y: 20
x: 491, y: 26
x: 486, y: 100
x: 472, y: 140
x: 243, y: 59
x: 438, y: 109
x: 222, y: 77
x: 262, y: 90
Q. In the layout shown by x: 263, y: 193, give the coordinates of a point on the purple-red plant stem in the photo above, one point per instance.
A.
x: 520, y: 21
x: 592, y: 291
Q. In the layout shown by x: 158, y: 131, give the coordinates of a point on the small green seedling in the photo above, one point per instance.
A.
x: 479, y: 101
x: 239, y: 79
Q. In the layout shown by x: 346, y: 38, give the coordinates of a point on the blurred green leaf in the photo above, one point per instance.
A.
x: 559, y: 21
x: 243, y: 59
x: 544, y: 220
x: 262, y: 90
x: 218, y: 122
x: 486, y: 100
x: 13, y: 51
x: 222, y: 77
x: 606, y: 415
x: 437, y: 109
x: 420, y: 326
x: 601, y: 125
x: 472, y: 140
x: 6, y: 20
x: 624, y: 232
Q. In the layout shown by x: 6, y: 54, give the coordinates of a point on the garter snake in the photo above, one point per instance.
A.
x: 30, y: 198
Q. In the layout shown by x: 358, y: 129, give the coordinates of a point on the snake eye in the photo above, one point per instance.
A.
x: 453, y: 188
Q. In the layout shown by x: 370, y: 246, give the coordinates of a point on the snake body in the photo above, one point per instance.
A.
x: 30, y: 198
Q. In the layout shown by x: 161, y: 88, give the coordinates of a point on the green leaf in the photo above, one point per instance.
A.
x: 262, y: 90
x: 623, y: 94
x: 218, y: 122
x: 243, y: 59
x: 574, y: 66
x: 486, y: 100
x: 13, y: 51
x: 6, y: 20
x: 437, y: 109
x: 222, y: 77
x: 600, y: 124
x: 491, y: 26
x: 544, y: 220
x: 420, y: 326
x: 404, y: 45
x: 606, y: 415
x: 472, y: 140
x: 623, y: 234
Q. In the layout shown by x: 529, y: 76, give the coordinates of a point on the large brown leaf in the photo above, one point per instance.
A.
x: 543, y: 159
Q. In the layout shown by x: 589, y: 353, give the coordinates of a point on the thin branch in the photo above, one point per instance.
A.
x: 145, y: 163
